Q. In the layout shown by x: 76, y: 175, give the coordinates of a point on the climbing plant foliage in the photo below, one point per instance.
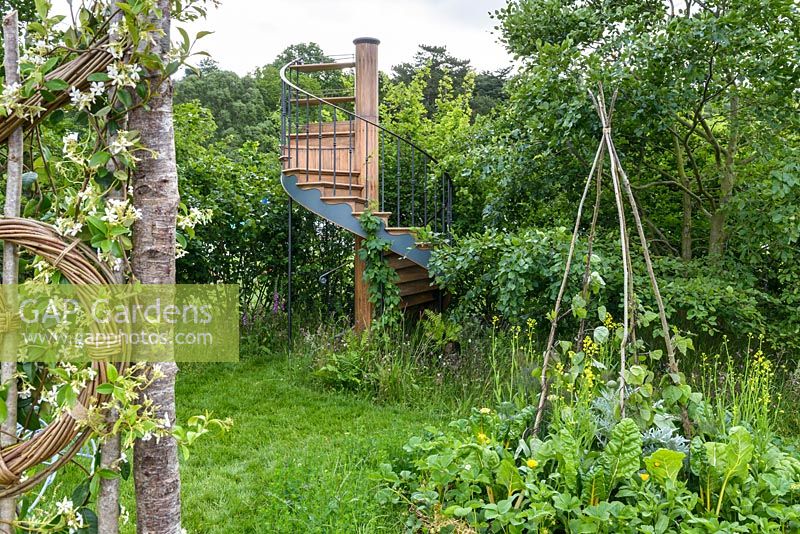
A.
x: 384, y: 293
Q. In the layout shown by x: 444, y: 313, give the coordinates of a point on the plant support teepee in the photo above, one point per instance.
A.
x: 622, y: 190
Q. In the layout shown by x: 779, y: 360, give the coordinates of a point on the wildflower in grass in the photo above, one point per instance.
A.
x: 644, y: 476
x: 531, y: 463
x: 124, y: 515
x: 483, y: 439
x: 486, y: 411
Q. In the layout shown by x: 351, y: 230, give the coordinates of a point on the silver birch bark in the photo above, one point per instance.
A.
x: 155, y: 193
x: 8, y: 368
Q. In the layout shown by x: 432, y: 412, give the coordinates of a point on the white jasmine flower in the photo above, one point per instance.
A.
x: 75, y: 96
x: 86, y: 193
x: 65, y: 507
x: 121, y: 143
x: 68, y: 227
x: 75, y: 523
x: 97, y: 88
x: 12, y: 91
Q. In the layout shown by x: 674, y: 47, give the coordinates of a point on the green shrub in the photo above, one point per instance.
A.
x: 517, y: 275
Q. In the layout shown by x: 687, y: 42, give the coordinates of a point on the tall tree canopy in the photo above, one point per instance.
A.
x: 707, y: 94
x: 487, y: 90
x: 706, y: 124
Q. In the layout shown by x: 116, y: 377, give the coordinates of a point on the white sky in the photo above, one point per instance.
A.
x: 250, y: 33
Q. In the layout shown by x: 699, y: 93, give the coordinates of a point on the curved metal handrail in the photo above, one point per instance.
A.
x: 397, y: 136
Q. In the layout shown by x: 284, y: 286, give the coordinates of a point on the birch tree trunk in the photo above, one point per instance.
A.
x: 155, y: 193
x: 110, y: 449
x: 8, y: 368
x: 108, y: 496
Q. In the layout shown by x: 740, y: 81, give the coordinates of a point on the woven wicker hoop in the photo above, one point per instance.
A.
x: 64, y: 437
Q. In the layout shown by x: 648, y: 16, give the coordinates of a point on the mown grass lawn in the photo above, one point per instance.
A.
x: 298, y: 458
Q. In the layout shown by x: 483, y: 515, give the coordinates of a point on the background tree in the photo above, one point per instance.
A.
x: 705, y: 123
x: 487, y: 90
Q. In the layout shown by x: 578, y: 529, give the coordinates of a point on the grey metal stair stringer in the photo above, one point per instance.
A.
x: 342, y: 215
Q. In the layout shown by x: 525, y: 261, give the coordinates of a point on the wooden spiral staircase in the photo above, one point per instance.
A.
x: 338, y: 161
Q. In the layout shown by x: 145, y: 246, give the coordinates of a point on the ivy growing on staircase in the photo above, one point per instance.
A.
x: 384, y: 293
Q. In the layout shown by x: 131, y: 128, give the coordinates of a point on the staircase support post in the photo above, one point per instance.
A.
x: 367, y: 152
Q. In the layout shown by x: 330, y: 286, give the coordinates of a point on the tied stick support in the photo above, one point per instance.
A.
x: 622, y: 189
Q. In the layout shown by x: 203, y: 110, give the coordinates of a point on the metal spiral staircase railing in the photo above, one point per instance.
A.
x: 338, y: 161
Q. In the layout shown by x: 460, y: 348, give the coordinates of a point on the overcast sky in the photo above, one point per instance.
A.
x: 250, y: 33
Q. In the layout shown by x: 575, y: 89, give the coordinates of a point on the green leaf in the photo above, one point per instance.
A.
x: 56, y: 85
x: 186, y: 41
x: 30, y: 207
x: 125, y: 470
x: 105, y: 389
x: 42, y: 8
x: 508, y: 476
x: 621, y: 457
x: 664, y: 464
x: 568, y: 456
x: 96, y: 223
x: 111, y: 371
x: 107, y: 474
x: 579, y: 307
x: 98, y: 77
x: 683, y: 344
x: 566, y: 502
x: 125, y: 97
x: 672, y: 395
x: 601, y: 334
x: 738, y: 451
x: 80, y: 495
x: 90, y: 520
x: 99, y: 159
x: 635, y: 375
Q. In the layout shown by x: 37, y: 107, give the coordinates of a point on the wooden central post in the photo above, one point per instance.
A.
x: 366, y: 156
